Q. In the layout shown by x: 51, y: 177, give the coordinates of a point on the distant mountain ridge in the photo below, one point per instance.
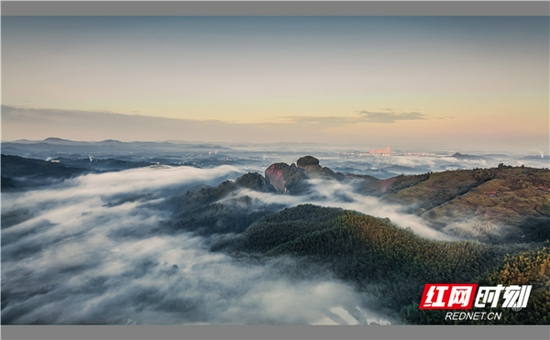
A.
x: 110, y: 142
x: 20, y: 172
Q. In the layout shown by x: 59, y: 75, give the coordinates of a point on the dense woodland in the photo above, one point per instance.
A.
x: 394, y: 263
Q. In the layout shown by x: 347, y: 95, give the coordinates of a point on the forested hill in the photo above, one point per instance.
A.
x: 393, y: 263
x: 499, y: 205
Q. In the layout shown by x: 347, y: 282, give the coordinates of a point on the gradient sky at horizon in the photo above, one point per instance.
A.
x: 417, y: 79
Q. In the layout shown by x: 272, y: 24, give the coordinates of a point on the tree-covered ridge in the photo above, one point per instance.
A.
x: 380, y: 258
x: 504, y: 193
x: 530, y: 267
x: 393, y: 264
x: 434, y: 189
x: 509, y: 196
x: 277, y: 229
x: 500, y: 205
x: 369, y: 250
x: 527, y: 268
x: 377, y: 187
x: 514, y: 197
x: 201, y: 211
x: 20, y: 172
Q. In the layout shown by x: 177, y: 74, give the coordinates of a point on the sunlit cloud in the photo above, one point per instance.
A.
x: 390, y: 117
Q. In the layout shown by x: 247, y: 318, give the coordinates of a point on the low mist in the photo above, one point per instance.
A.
x: 331, y: 193
x: 90, y: 251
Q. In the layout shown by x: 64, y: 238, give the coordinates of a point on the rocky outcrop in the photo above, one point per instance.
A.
x: 210, y: 194
x: 286, y: 178
x: 292, y: 178
x: 307, y: 161
x: 311, y: 166
x: 255, y: 181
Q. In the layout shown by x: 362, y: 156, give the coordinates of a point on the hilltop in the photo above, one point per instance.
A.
x: 496, y: 205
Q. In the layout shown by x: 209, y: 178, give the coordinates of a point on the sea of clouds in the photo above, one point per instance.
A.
x: 90, y: 251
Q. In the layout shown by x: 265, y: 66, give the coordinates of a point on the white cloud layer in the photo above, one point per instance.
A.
x: 92, y: 254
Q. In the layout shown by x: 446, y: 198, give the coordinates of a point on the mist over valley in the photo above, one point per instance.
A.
x: 197, y: 233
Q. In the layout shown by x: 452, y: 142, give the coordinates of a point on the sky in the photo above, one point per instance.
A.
x: 457, y: 82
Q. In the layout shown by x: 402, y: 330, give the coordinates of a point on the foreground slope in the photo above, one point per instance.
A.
x: 380, y: 258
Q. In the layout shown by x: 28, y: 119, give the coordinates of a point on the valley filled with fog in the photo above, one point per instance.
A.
x: 138, y: 233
